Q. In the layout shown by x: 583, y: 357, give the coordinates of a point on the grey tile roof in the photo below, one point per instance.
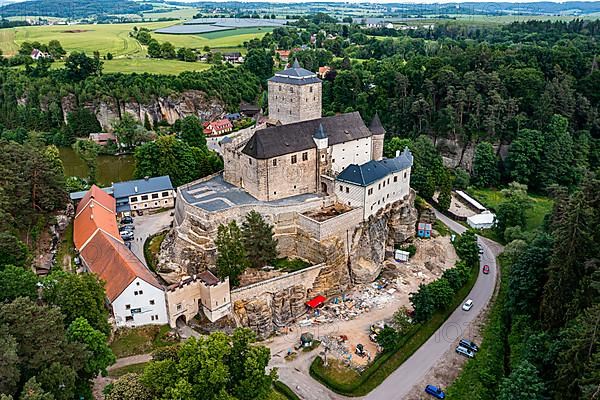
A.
x: 373, y: 171
x: 376, y: 127
x: 295, y: 75
x: 276, y: 141
x: 141, y: 186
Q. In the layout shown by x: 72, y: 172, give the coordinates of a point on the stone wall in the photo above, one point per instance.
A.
x: 333, y: 226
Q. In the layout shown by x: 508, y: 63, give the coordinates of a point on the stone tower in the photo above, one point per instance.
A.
x: 323, y: 158
x: 294, y: 95
x: 377, y: 140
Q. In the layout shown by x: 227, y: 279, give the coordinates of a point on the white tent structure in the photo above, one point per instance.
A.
x: 485, y: 220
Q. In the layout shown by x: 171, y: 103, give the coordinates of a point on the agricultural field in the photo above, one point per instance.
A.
x: 179, y: 13
x: 138, y: 65
x: 219, y: 39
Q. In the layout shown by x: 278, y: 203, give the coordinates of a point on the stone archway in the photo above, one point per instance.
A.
x: 181, y: 321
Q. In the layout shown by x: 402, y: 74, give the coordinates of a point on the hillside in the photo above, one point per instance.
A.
x: 73, y: 9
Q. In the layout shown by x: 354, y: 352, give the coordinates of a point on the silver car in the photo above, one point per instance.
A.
x: 465, y: 352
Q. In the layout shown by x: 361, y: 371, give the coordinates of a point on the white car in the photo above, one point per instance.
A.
x: 468, y: 304
x: 465, y: 352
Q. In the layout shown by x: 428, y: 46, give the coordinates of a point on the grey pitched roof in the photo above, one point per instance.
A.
x: 376, y: 127
x: 141, y: 186
x: 373, y: 171
x: 320, y: 133
x: 295, y: 75
x: 291, y: 138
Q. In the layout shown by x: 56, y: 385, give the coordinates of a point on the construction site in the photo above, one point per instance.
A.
x: 346, y: 326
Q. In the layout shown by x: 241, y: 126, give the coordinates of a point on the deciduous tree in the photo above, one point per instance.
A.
x: 232, y: 259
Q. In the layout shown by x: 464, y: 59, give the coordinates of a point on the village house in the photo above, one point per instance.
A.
x: 233, y: 57
x: 284, y: 55
x: 36, y: 54
x: 134, y: 295
x: 103, y: 138
x: 323, y: 71
x: 144, y: 194
x: 218, y: 127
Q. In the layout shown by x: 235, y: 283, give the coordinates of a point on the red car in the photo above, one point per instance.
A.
x: 486, y: 269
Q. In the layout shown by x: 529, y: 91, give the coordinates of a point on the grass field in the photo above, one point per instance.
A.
x: 179, y: 13
x: 221, y: 39
x: 131, y: 341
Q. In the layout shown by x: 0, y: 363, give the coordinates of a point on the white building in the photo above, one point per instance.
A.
x: 144, y: 194
x: 485, y: 220
x: 375, y: 184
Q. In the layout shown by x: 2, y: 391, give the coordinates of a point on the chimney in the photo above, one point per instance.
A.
x: 397, y: 153
x: 135, y: 189
x: 146, y: 178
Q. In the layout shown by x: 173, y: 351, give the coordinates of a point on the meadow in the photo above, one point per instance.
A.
x: 129, y: 55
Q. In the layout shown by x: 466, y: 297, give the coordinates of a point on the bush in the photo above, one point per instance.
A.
x: 285, y: 390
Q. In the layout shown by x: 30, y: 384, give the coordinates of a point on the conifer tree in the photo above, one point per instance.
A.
x: 258, y: 240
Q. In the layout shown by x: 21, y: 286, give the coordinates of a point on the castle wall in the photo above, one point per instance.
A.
x: 292, y: 103
x: 377, y: 147
x: 354, y: 152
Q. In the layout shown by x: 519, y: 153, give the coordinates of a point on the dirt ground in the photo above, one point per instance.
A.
x: 352, y: 315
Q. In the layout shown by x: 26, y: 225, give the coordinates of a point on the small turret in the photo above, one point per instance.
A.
x: 378, y: 132
x: 320, y: 138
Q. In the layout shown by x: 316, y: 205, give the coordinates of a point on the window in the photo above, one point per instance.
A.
x: 141, y: 292
x: 165, y: 194
x: 128, y: 306
x: 280, y: 88
x: 152, y: 318
x: 134, y: 198
x: 156, y: 203
x: 294, y: 159
x: 275, y: 162
x: 179, y: 307
x: 250, y: 161
x: 347, y: 189
x: 383, y: 183
x: 128, y: 318
x: 290, y: 112
x: 291, y: 90
x: 156, y: 317
x: 137, y: 284
x: 395, y: 179
x: 379, y: 187
x: 341, y: 188
x: 310, y: 89
x: 151, y: 302
x: 145, y: 197
x: 155, y: 195
x: 404, y: 175
x: 370, y: 191
x: 305, y: 156
x: 322, y: 155
x: 135, y: 293
x: 294, y: 186
x: 166, y: 201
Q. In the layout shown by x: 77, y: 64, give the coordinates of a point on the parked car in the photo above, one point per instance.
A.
x: 465, y: 352
x: 486, y: 269
x: 480, y: 249
x: 469, y: 345
x: 127, y: 228
x: 127, y: 220
x: 468, y: 304
x: 126, y: 235
x: 435, y: 391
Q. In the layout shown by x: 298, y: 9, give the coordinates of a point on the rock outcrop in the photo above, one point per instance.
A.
x: 161, y: 109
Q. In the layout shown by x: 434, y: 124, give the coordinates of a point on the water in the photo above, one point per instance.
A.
x: 110, y: 168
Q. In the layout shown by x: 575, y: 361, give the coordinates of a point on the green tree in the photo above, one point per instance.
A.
x: 129, y: 387
x: 457, y: 276
x: 466, y: 248
x: 523, y: 383
x: 441, y: 293
x: 17, y: 282
x: 78, y: 295
x: 485, y: 166
x: 260, y: 63
x: 9, y: 362
x: 192, y: 132
x: 402, y: 320
x: 34, y: 391
x: 423, y: 303
x: 56, y: 50
x: 167, y: 50
x: 512, y: 211
x: 58, y: 380
x: 461, y: 179
x: 231, y: 254
x: 78, y: 66
x: 12, y: 251
x: 524, y: 157
x: 81, y: 122
x: 98, y: 355
x: 129, y: 132
x: 390, y: 147
x: 154, y: 49
x: 257, y: 238
x: 88, y: 151
x: 557, y: 155
x: 388, y: 338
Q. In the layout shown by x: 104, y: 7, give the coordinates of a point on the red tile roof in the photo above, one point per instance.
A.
x: 100, y: 196
x: 92, y: 218
x: 115, y: 264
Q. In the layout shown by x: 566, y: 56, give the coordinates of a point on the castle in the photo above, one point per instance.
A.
x: 323, y: 184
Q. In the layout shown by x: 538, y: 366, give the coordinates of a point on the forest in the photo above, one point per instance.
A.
x: 511, y: 107
x: 73, y: 9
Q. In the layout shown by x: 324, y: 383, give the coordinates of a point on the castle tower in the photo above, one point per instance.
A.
x: 323, y: 159
x: 377, y: 139
x: 294, y: 95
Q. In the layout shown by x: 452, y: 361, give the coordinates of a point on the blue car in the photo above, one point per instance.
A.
x: 435, y: 392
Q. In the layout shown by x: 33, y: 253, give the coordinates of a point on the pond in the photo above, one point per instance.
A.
x: 110, y: 168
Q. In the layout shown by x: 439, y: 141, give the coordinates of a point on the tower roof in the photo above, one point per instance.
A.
x: 320, y: 133
x: 376, y: 127
x: 295, y: 75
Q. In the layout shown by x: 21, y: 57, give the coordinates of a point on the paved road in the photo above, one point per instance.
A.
x: 145, y: 226
x: 400, y: 382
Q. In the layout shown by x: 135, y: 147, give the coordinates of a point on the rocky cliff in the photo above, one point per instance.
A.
x: 167, y: 109
x: 374, y: 239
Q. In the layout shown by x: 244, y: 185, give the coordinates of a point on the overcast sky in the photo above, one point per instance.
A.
x: 394, y: 1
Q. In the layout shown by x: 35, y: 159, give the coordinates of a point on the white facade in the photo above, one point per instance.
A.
x: 140, y: 304
x: 485, y: 220
x: 377, y: 195
x: 162, y: 199
x: 354, y: 152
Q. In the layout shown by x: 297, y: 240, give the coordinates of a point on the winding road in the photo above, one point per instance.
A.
x: 412, y: 371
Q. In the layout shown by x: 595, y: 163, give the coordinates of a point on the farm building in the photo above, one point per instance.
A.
x: 485, y: 220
